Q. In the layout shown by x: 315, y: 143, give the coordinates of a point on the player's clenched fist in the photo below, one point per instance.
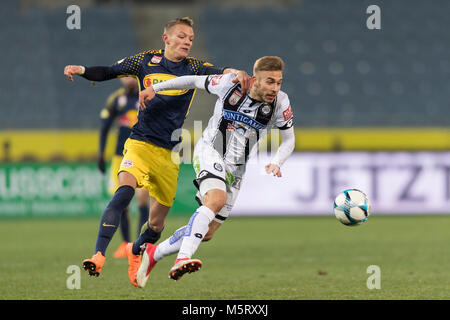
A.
x: 273, y: 169
x: 70, y: 71
x: 145, y: 96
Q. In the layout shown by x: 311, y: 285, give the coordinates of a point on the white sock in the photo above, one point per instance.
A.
x: 196, y: 229
x: 170, y: 245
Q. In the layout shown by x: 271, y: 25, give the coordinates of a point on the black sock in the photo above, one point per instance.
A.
x: 143, y: 217
x: 111, y: 217
x: 125, y: 225
x: 147, y: 236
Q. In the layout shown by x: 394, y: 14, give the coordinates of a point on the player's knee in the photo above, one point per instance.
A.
x: 215, y: 199
x: 127, y: 179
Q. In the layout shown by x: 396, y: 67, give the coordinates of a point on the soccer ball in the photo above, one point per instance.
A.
x: 351, y: 207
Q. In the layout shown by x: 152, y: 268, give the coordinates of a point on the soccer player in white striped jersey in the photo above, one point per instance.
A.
x: 220, y: 156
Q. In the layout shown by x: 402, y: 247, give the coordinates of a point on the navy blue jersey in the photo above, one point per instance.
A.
x: 168, y: 110
x: 123, y: 106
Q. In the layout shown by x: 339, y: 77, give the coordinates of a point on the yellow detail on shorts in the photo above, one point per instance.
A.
x: 154, y: 78
x: 113, y: 182
x: 154, y: 168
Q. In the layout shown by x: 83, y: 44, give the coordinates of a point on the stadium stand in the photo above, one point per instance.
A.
x: 336, y: 77
x: 346, y: 75
x: 36, y: 45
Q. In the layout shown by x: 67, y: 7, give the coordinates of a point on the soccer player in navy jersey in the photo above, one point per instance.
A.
x: 122, y: 107
x: 147, y: 160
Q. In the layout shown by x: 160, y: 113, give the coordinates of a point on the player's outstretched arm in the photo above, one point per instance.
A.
x: 98, y: 73
x: 180, y: 83
x: 284, y: 151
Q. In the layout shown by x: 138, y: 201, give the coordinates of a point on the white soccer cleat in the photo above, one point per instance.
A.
x: 183, y: 266
x: 147, y: 264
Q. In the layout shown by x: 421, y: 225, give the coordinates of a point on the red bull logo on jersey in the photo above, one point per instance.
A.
x: 127, y: 163
x: 156, y: 59
x: 154, y: 78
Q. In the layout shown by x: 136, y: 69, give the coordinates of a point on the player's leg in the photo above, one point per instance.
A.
x: 138, y: 270
x: 172, y: 244
x: 213, y: 190
x: 110, y: 220
x: 162, y: 186
x: 130, y: 177
x: 124, y: 225
x: 210, y: 181
x: 143, y: 200
x: 151, y: 230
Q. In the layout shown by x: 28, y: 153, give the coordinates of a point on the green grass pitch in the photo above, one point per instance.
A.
x: 250, y: 258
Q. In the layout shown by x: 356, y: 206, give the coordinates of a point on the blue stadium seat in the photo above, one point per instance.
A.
x: 37, y: 45
x: 337, y: 71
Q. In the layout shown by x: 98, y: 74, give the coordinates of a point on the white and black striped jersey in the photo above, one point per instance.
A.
x: 240, y: 122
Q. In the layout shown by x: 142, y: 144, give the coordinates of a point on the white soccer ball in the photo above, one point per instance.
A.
x: 351, y: 207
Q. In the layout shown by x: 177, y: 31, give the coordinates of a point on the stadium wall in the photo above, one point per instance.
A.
x: 82, y: 145
x: 395, y: 182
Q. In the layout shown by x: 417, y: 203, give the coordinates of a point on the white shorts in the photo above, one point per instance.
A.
x: 213, y: 173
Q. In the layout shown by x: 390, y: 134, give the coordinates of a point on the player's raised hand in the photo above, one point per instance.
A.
x: 273, y: 169
x: 101, y: 164
x: 145, y: 96
x: 244, y: 79
x: 70, y: 71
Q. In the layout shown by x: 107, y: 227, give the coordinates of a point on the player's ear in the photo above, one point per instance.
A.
x: 252, y: 81
x: 165, y: 38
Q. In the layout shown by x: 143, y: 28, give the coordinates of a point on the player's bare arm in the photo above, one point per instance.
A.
x: 284, y: 151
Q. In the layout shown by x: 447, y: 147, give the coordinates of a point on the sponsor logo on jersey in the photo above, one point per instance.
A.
x: 155, y: 78
x: 266, y: 109
x: 156, y: 59
x: 127, y: 163
x: 287, y: 114
x: 218, y: 167
x: 242, y: 118
x: 234, y: 98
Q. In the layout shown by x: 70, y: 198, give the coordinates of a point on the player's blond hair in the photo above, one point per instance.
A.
x: 268, y: 63
x: 185, y: 20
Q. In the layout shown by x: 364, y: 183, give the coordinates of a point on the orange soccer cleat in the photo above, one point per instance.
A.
x: 121, y: 251
x: 134, y: 262
x: 183, y: 266
x: 94, y: 265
